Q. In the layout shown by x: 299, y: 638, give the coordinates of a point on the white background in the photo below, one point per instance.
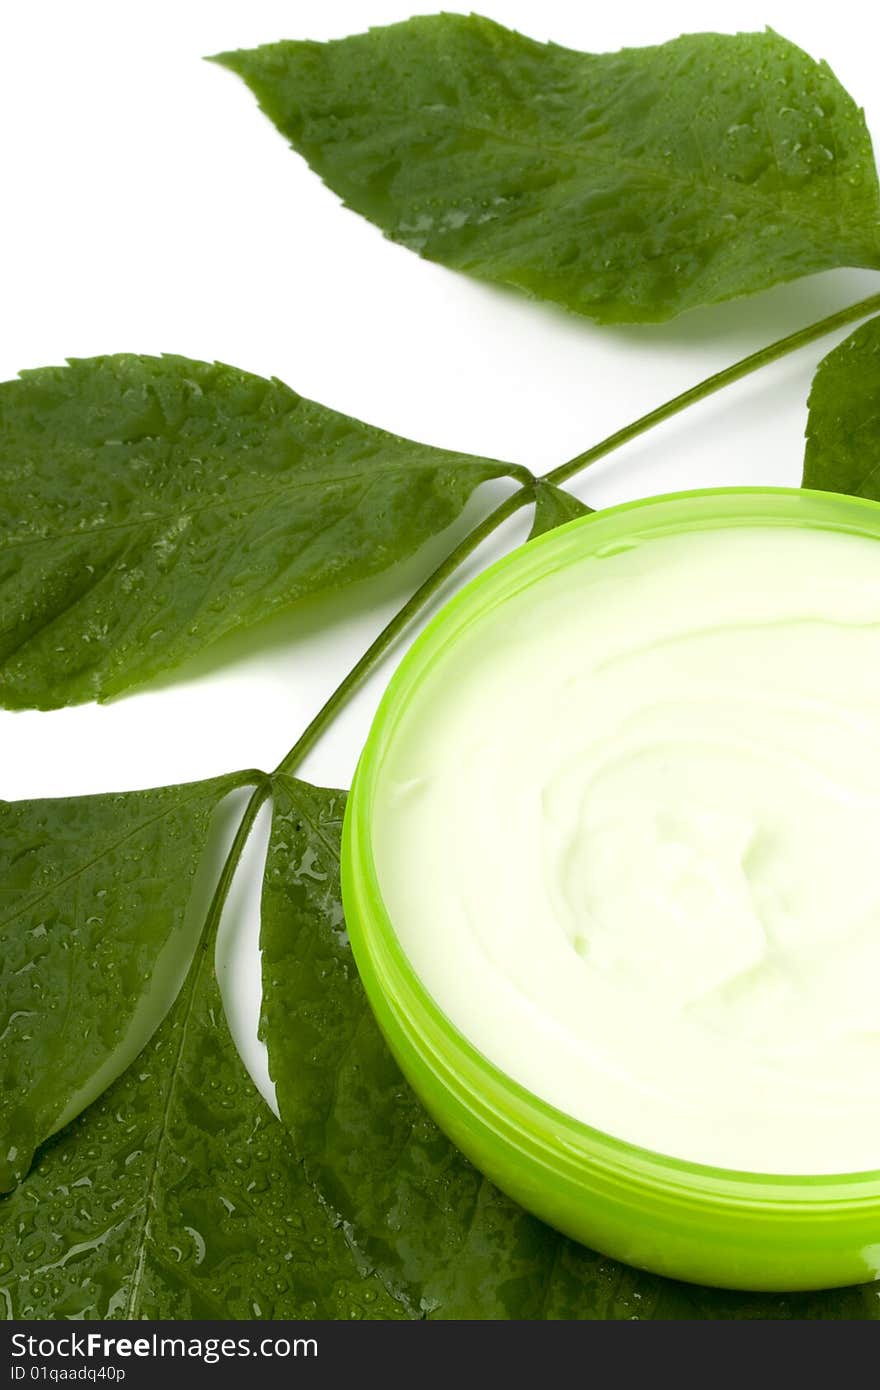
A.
x: 150, y: 207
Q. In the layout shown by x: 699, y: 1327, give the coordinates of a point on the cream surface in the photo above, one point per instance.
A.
x: 628, y: 833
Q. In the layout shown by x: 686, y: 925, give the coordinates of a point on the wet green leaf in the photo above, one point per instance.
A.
x: 843, y: 428
x: 628, y: 186
x: 150, y: 505
x: 554, y: 507
x: 445, y: 1242
x: 95, y: 939
x: 177, y: 1196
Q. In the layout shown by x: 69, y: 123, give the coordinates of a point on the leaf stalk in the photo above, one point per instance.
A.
x: 393, y: 629
x: 762, y: 358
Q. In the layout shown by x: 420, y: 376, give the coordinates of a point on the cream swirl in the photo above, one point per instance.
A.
x: 627, y: 832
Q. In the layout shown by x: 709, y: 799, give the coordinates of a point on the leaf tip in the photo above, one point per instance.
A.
x: 232, y: 59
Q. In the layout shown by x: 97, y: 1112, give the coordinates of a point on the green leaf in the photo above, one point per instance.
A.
x: 444, y: 1241
x: 96, y: 933
x: 177, y: 1196
x: 150, y: 505
x: 628, y: 186
x: 554, y: 507
x: 843, y: 427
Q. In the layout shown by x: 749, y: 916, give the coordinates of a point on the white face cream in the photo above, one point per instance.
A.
x: 628, y: 833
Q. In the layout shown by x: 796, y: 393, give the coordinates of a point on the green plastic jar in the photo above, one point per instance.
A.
x: 714, y: 1226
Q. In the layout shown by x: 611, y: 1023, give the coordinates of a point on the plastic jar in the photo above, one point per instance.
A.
x: 715, y: 1226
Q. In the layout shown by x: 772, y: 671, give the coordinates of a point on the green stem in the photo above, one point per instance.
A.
x: 389, y: 634
x: 230, y: 863
x: 517, y: 500
x: 745, y: 367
